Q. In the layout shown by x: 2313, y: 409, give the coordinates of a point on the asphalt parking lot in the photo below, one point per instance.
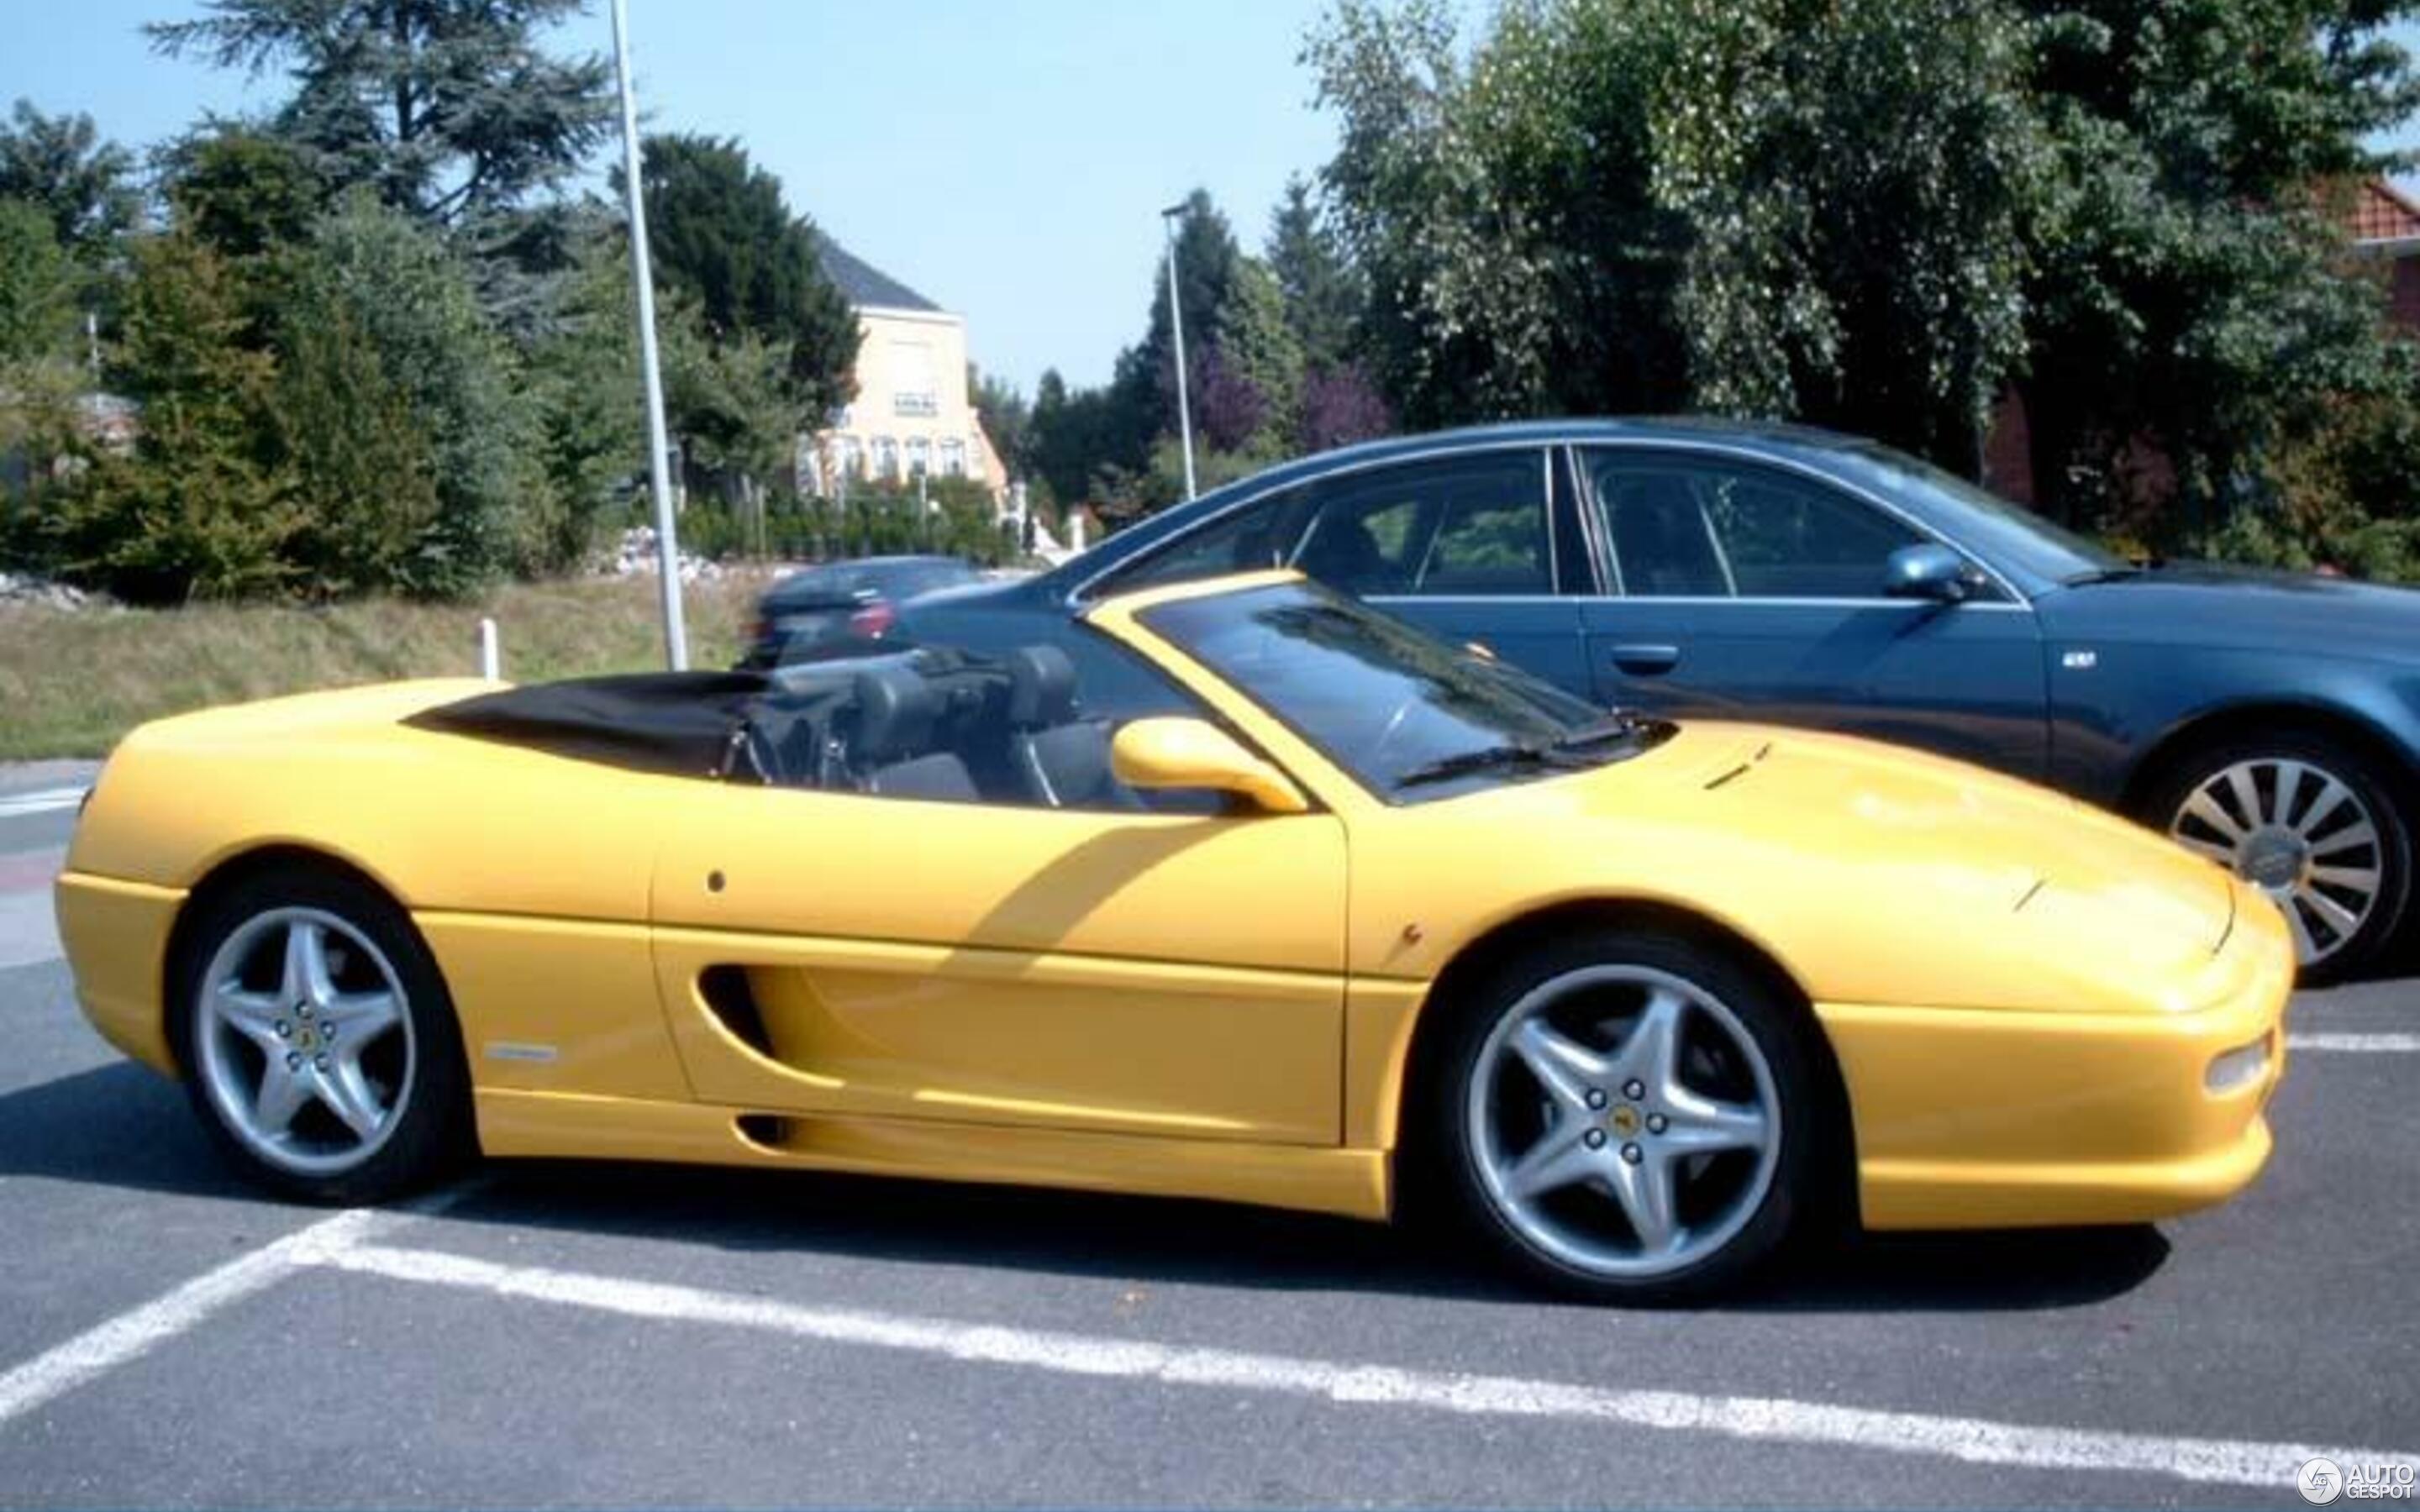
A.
x: 624, y: 1334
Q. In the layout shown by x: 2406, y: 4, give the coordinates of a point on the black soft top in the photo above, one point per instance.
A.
x: 680, y: 723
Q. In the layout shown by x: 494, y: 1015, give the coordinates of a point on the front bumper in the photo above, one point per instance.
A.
x: 116, y: 938
x: 1981, y: 1117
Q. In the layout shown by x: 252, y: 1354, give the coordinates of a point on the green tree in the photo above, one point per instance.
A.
x: 450, y: 109
x: 402, y: 296
x: 583, y: 380
x: 244, y: 193
x: 1856, y: 193
x: 37, y: 290
x: 1323, y: 294
x: 722, y: 235
x: 1207, y: 257
x: 83, y: 184
x: 1879, y: 215
x: 202, y: 508
x: 2188, y: 282
x: 1006, y: 417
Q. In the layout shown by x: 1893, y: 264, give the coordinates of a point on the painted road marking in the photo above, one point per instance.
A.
x: 132, y: 1334
x: 2356, y: 1043
x: 48, y: 800
x: 29, y: 932
x: 1974, y: 1441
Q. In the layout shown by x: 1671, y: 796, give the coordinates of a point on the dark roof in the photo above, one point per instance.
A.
x: 1805, y: 443
x: 863, y: 284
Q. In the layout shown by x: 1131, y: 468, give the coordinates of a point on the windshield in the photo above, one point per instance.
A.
x: 2007, y: 534
x: 1409, y: 715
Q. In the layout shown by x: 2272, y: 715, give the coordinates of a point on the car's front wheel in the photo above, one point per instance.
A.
x: 316, y: 1039
x: 1629, y: 1116
x: 2308, y: 821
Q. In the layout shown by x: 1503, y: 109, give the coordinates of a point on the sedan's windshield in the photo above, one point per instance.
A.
x: 1409, y: 715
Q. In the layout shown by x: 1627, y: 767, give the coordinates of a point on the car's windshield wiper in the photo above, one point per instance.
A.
x: 1486, y: 759
x: 1615, y: 724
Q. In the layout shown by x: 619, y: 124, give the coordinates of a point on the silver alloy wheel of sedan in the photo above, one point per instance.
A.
x: 303, y: 1041
x: 2297, y: 832
x: 1623, y: 1121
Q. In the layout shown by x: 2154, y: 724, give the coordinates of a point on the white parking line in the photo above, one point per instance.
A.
x: 2356, y: 1043
x: 132, y: 1334
x: 48, y: 800
x: 1974, y: 1441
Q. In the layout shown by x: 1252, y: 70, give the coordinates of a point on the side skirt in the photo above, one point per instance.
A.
x: 1353, y: 1183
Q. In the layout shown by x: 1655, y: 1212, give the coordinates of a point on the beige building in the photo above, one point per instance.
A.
x: 912, y: 413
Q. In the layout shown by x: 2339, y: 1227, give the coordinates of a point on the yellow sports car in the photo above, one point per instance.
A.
x: 1235, y: 889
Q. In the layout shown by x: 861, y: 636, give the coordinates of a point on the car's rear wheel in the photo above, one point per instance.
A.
x: 2311, y: 822
x: 1629, y: 1117
x: 316, y: 1039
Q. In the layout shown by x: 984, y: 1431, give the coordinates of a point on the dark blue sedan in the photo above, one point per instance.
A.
x: 2271, y: 721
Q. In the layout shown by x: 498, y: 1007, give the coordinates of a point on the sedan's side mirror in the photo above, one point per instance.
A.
x: 1929, y: 570
x: 1167, y: 752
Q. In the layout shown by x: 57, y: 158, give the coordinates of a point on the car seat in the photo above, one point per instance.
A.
x: 896, y: 712
x: 1661, y: 544
x: 1344, y: 554
x: 1063, y: 761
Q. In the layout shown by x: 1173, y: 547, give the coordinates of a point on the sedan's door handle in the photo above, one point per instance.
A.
x: 1646, y: 661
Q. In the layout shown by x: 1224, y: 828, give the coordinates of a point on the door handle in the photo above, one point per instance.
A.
x: 1646, y: 661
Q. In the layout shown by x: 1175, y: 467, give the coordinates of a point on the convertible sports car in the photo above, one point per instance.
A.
x: 1734, y: 571
x: 1234, y: 890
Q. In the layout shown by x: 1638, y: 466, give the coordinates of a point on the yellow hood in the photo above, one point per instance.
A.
x: 1883, y: 875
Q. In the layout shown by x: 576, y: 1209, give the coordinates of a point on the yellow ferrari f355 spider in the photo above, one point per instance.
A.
x: 1235, y: 889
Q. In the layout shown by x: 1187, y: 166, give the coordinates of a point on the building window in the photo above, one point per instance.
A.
x: 920, y: 456
x: 913, y: 390
x: 852, y: 457
x: 886, y: 459
x: 954, y: 458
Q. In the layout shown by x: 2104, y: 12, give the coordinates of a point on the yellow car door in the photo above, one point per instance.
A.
x: 1132, y: 973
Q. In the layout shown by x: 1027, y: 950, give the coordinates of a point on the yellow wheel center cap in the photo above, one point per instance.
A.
x: 1623, y: 1119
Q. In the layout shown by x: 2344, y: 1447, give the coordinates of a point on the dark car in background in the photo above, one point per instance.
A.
x: 828, y: 610
x: 2271, y: 721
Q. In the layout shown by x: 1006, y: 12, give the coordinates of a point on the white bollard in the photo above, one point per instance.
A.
x: 492, y: 660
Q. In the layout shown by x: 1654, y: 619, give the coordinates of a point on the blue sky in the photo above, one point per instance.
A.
x: 1007, y: 158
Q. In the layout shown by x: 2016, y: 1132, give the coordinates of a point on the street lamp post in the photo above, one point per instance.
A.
x: 659, y: 461
x: 1176, y: 323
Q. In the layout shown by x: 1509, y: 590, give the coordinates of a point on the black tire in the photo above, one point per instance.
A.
x: 1443, y: 1144
x: 2340, y: 956
x: 432, y: 1131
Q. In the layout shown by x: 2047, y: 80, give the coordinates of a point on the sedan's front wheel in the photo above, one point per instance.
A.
x: 1629, y: 1117
x: 2308, y: 822
x: 316, y: 1039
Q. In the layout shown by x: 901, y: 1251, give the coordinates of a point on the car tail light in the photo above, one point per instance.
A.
x: 870, y: 621
x: 760, y: 630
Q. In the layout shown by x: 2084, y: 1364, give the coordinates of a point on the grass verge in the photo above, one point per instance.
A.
x: 72, y: 683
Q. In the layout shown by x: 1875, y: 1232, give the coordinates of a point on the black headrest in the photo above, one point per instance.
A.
x: 894, y: 714
x: 1041, y: 688
x: 1341, y: 553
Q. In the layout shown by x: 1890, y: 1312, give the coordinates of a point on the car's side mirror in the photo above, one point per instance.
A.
x: 1168, y: 752
x: 1929, y: 570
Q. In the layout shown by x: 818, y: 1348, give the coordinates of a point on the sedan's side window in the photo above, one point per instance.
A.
x: 1688, y: 528
x: 1469, y: 527
x: 1252, y: 538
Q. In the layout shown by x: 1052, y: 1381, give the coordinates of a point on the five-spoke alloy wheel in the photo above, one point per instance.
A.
x: 2310, y: 825
x: 317, y: 1039
x: 1630, y: 1115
